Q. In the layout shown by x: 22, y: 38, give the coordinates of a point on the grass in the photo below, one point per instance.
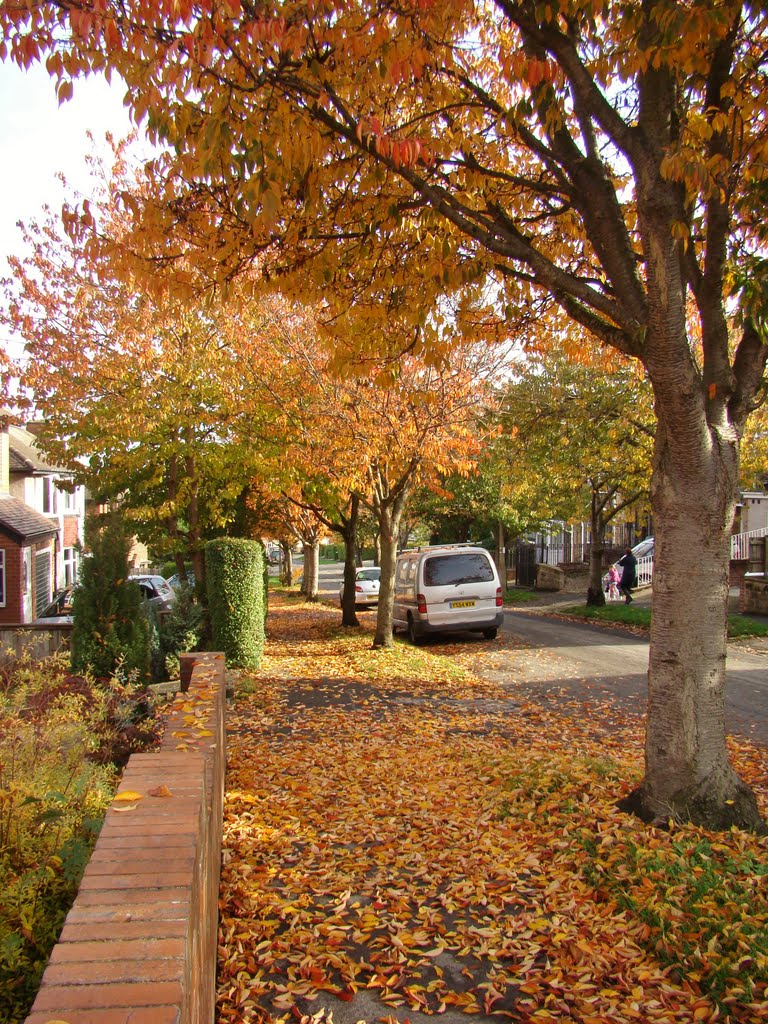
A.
x: 517, y: 595
x: 628, y: 615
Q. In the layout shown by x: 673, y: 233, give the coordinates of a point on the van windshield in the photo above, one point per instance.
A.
x: 448, y: 570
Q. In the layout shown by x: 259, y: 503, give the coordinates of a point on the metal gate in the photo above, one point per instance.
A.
x: 525, y: 565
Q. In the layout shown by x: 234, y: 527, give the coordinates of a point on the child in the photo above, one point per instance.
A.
x: 613, y: 583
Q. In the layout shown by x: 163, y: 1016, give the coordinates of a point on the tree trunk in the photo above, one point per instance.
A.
x: 349, y: 535
x: 390, y: 524
x: 311, y: 569
x: 501, y: 561
x: 287, y: 567
x: 181, y: 567
x: 687, y: 771
x: 595, y: 593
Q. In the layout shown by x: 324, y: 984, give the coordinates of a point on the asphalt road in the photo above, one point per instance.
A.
x: 598, y: 661
x: 606, y: 661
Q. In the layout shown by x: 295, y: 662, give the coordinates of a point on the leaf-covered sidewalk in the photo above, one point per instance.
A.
x: 403, y: 840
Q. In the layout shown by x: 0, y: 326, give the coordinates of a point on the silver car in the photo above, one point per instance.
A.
x: 366, y: 587
x: 156, y: 590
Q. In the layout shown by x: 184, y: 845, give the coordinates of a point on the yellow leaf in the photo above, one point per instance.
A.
x: 129, y: 796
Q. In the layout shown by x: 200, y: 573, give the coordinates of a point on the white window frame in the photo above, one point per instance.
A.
x: 2, y: 578
x: 70, y: 566
x: 49, y: 496
x: 70, y: 500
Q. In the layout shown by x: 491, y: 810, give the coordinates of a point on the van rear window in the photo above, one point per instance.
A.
x: 460, y: 568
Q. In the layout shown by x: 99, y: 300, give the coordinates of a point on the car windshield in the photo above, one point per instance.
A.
x: 450, y: 570
x: 369, y: 574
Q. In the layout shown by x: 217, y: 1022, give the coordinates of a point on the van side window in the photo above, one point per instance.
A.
x: 459, y: 568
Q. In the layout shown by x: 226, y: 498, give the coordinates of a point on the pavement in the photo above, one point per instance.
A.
x: 574, y: 593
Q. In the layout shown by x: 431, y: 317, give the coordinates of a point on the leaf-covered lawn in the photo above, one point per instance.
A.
x: 403, y: 839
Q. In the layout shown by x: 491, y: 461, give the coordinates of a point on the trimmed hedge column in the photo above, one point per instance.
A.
x: 234, y: 570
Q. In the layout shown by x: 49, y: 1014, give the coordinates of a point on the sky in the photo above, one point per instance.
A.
x: 40, y: 139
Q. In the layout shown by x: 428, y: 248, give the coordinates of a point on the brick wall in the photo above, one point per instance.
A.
x: 139, y: 944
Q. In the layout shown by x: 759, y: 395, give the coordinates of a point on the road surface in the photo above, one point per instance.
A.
x: 612, y: 661
x: 599, y: 661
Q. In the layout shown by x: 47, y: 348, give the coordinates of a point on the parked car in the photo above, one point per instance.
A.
x: 175, y: 580
x: 442, y: 588
x: 58, y: 612
x: 367, y: 583
x: 156, y: 590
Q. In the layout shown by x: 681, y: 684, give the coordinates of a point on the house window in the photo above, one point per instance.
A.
x: 49, y: 497
x: 70, y: 566
x: 2, y: 577
x: 70, y: 501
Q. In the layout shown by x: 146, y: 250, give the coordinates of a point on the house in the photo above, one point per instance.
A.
x: 41, y: 527
x: 751, y: 512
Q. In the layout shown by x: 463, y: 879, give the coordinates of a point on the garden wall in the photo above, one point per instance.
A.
x: 753, y: 596
x: 139, y: 944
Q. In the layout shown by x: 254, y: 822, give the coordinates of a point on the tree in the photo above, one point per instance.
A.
x: 135, y: 394
x: 110, y: 631
x: 604, y: 161
x: 581, y: 438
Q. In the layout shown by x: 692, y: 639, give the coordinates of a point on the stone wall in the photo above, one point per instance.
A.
x: 753, y: 596
x: 549, y: 577
x: 139, y: 944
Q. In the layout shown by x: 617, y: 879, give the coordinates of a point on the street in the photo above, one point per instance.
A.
x: 608, y: 661
x: 600, y: 661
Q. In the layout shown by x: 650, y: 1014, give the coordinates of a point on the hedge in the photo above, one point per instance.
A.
x: 234, y: 570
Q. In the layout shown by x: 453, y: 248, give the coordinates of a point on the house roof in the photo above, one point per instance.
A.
x: 24, y: 522
x: 25, y: 456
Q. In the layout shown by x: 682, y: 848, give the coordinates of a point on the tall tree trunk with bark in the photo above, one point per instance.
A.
x: 286, y: 575
x: 310, y: 579
x: 388, y: 505
x: 501, y: 562
x: 694, y: 486
x: 389, y: 519
x: 595, y: 593
x: 347, y: 528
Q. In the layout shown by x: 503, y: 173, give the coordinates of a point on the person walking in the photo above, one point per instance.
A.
x: 614, y: 578
x: 628, y: 564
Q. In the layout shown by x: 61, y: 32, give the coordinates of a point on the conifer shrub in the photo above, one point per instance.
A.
x: 110, y: 632
x: 234, y: 569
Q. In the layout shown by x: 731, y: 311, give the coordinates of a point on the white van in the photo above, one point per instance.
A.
x: 446, y: 587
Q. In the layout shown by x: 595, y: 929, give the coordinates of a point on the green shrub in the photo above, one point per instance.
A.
x: 234, y: 570
x: 62, y: 740
x: 110, y: 633
x: 180, y: 630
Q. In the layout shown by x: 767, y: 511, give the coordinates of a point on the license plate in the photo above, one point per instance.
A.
x: 462, y: 604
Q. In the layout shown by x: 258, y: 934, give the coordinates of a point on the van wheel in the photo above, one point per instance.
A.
x: 413, y: 636
x: 490, y: 634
